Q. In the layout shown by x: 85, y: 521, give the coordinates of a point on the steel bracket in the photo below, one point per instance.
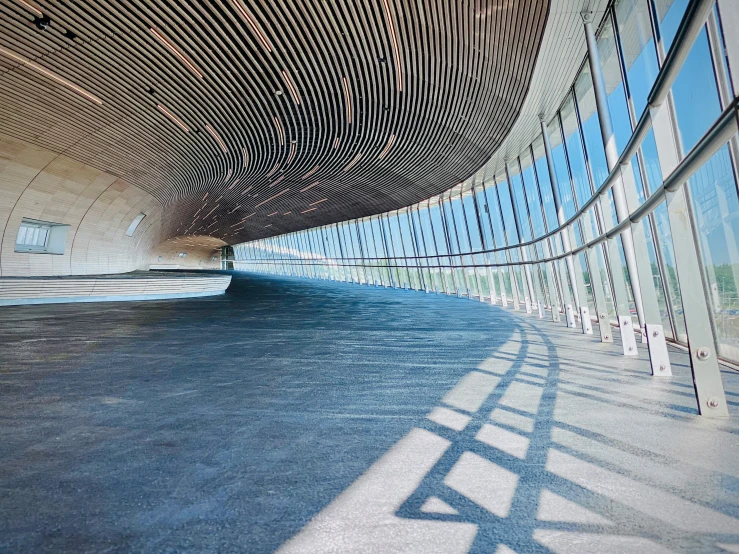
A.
x: 659, y: 357
x: 570, y: 315
x: 628, y: 340
x: 587, y: 325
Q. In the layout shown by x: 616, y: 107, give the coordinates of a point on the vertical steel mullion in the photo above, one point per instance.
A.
x: 538, y: 280
x: 299, y: 264
x: 282, y: 255
x: 321, y: 252
x: 701, y: 338
x: 450, y: 253
x: 416, y: 245
x: 390, y: 253
x: 517, y: 224
x: 453, y: 228
x: 346, y: 251
x: 622, y: 209
x: 403, y: 249
x: 429, y: 261
x: 357, y: 245
x: 555, y: 280
x: 509, y: 258
x: 591, y: 260
x: 459, y: 244
x: 371, y: 248
x: 400, y: 261
x: 649, y: 293
x: 327, y: 252
x: 314, y: 255
x: 498, y: 270
x: 564, y: 232
x: 439, y: 262
x: 364, y: 251
x: 483, y: 241
x: 469, y: 241
x: 380, y: 243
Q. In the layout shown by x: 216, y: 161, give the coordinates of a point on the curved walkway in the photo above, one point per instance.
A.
x: 312, y: 416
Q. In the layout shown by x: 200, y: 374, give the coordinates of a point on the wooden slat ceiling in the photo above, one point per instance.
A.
x: 250, y: 119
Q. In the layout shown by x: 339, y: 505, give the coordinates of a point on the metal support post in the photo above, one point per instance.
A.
x: 709, y: 389
x: 619, y: 195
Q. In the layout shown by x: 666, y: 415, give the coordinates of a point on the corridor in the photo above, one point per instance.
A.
x: 299, y: 415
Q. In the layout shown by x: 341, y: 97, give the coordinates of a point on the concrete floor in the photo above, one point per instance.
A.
x: 308, y: 416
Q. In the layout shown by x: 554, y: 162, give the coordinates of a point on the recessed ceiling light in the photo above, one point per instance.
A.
x: 174, y: 118
x: 353, y: 162
x: 311, y: 172
x: 280, y: 132
x: 389, y: 144
x: 272, y: 198
x: 273, y: 170
x: 394, y: 41
x: 291, y: 87
x: 253, y: 24
x: 176, y: 51
x: 309, y: 187
x: 216, y: 137
x: 58, y: 78
x: 291, y: 155
x: 30, y: 7
x: 348, y: 99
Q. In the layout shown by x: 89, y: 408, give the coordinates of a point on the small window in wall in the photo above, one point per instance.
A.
x: 41, y: 237
x: 134, y: 224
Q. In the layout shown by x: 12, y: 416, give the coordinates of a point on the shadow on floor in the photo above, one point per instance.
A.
x: 552, y: 444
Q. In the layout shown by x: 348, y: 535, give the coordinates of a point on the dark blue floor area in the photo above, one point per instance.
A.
x: 218, y: 424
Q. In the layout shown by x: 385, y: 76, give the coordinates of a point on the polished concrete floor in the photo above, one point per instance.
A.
x: 306, y: 416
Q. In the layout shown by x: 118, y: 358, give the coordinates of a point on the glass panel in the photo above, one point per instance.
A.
x: 460, y: 223
x: 545, y: 184
x: 637, y: 44
x: 428, y: 238
x: 575, y: 155
x: 560, y: 169
x: 591, y: 127
x: 716, y: 210
x: 532, y: 196
x: 409, y: 249
x: 520, y: 205
x: 610, y: 66
x: 669, y: 15
x: 442, y: 245
x: 21, y: 238
x: 695, y: 94
x: 473, y: 227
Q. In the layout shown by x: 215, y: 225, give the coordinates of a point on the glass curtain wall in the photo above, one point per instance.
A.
x: 466, y: 240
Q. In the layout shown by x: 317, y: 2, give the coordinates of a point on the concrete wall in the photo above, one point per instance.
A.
x: 40, y: 184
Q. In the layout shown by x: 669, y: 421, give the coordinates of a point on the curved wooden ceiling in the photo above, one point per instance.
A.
x: 253, y: 118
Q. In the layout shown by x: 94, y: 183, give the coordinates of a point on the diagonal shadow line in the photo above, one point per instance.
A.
x: 531, y: 474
